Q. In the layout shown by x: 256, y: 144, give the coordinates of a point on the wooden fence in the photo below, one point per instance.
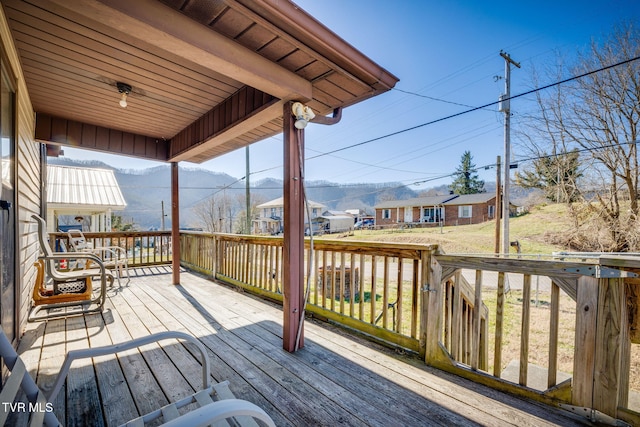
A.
x: 376, y: 288
x: 142, y: 247
x: 598, y: 301
x: 474, y: 316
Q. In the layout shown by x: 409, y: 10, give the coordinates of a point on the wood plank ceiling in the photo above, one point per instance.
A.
x: 207, y: 76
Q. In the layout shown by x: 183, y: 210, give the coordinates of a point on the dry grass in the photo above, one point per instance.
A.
x: 534, y: 230
x: 539, y: 333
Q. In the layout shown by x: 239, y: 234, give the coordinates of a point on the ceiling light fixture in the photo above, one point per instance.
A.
x: 125, y: 90
x: 303, y: 115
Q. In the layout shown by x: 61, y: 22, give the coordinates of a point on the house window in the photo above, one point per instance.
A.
x: 386, y: 213
x: 492, y: 211
x: 431, y: 214
x: 464, y: 211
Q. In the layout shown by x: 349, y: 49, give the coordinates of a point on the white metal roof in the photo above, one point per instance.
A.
x: 83, y: 188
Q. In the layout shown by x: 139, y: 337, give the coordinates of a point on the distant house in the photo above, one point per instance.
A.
x: 421, y: 209
x: 82, y: 198
x: 470, y: 209
x: 445, y: 210
x: 271, y: 216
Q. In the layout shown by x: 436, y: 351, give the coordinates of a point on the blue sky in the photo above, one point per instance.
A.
x: 448, y: 50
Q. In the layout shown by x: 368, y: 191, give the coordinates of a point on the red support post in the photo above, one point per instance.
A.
x: 175, y: 224
x: 293, y: 251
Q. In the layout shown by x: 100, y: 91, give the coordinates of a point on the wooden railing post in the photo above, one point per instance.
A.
x: 215, y: 258
x: 584, y: 351
x: 431, y: 318
x: 600, y: 338
x: 610, y: 336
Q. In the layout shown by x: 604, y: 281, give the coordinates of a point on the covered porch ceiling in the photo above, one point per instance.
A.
x: 207, y: 76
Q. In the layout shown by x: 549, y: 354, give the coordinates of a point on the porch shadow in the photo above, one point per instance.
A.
x: 337, y: 379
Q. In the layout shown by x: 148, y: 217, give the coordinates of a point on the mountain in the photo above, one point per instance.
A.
x: 146, y: 191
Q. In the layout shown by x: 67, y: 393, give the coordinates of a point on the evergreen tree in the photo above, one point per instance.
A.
x: 555, y: 175
x: 466, y: 179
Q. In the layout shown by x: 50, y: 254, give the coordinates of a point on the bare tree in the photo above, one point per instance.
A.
x: 216, y: 214
x: 240, y: 223
x: 599, y: 115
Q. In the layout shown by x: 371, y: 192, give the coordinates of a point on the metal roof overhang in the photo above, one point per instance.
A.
x: 207, y: 76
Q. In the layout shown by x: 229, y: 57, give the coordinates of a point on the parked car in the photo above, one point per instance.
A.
x: 364, y: 224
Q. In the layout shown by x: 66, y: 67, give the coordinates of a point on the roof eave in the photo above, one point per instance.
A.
x: 329, y: 44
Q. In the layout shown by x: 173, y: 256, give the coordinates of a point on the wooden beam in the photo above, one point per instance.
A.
x: 293, y: 250
x: 56, y: 130
x: 158, y: 25
x: 245, y: 110
x: 175, y: 224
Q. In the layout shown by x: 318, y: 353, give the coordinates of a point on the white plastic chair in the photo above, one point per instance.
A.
x: 114, y: 257
x: 209, y: 411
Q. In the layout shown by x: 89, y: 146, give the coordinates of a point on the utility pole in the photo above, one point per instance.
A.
x: 163, y: 215
x: 247, y: 192
x: 498, y: 205
x: 505, y: 107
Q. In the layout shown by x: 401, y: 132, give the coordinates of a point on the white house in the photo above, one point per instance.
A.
x: 271, y: 216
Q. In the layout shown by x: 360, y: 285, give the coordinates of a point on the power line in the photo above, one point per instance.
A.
x: 322, y: 154
x: 431, y: 98
x: 437, y: 121
x: 476, y: 108
x: 582, y: 150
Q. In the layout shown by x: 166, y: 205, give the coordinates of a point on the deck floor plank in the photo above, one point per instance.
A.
x: 343, y: 387
x: 83, y: 401
x: 176, y: 320
x: 458, y: 395
x: 336, y: 379
x: 166, y: 372
x: 289, y: 372
x: 117, y: 402
x: 54, y: 348
x: 263, y: 374
x: 143, y: 386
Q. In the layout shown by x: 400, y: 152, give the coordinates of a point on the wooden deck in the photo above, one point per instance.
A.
x: 337, y: 379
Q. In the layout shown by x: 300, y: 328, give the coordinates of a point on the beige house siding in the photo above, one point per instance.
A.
x: 28, y: 182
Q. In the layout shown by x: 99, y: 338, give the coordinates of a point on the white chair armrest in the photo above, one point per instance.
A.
x: 74, y: 255
x: 116, y: 252
x: 220, y: 411
x: 128, y: 345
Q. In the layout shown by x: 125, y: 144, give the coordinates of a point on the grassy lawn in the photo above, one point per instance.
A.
x: 531, y: 230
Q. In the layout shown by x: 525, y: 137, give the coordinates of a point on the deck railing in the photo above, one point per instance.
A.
x: 376, y: 288
x: 573, y: 348
x: 143, y: 248
x: 575, y: 344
